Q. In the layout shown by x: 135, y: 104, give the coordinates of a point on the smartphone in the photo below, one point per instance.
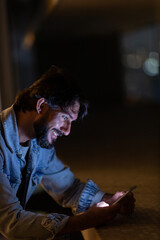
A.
x: 119, y: 199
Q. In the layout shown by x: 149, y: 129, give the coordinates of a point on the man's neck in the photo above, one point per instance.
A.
x: 25, y: 126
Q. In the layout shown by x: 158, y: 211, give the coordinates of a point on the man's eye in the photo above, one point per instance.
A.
x: 65, y: 117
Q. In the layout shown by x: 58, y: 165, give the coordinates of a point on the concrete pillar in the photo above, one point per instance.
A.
x: 6, y: 82
x: 158, y: 22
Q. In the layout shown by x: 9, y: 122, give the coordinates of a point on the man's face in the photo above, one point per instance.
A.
x: 52, y: 123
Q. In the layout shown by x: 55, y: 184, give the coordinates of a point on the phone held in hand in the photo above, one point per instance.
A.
x: 130, y: 190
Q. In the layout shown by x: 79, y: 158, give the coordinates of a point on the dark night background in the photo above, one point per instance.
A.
x: 111, y: 48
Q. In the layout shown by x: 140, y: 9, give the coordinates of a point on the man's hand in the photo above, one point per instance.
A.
x: 97, y: 215
x: 101, y: 213
x: 127, y: 203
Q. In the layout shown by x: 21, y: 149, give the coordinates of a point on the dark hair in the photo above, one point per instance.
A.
x: 57, y: 87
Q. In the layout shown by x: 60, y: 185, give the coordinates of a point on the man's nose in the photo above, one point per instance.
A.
x: 66, y: 128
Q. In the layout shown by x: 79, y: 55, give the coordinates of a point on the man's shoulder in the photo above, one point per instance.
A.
x: 6, y: 113
x: 9, y: 132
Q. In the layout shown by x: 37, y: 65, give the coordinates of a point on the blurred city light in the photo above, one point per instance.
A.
x: 151, y: 64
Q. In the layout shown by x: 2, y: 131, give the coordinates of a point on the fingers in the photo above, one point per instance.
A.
x: 128, y: 204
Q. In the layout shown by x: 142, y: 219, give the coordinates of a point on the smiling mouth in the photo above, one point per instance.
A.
x: 56, y: 132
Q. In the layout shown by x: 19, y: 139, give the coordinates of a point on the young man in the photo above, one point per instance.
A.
x: 29, y: 129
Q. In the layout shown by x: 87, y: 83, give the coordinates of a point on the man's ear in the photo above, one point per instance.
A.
x: 40, y: 104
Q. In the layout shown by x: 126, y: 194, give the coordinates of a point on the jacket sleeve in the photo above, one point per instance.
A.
x: 69, y: 191
x: 16, y: 223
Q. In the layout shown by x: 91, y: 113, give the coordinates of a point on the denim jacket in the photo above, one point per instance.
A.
x: 46, y: 169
